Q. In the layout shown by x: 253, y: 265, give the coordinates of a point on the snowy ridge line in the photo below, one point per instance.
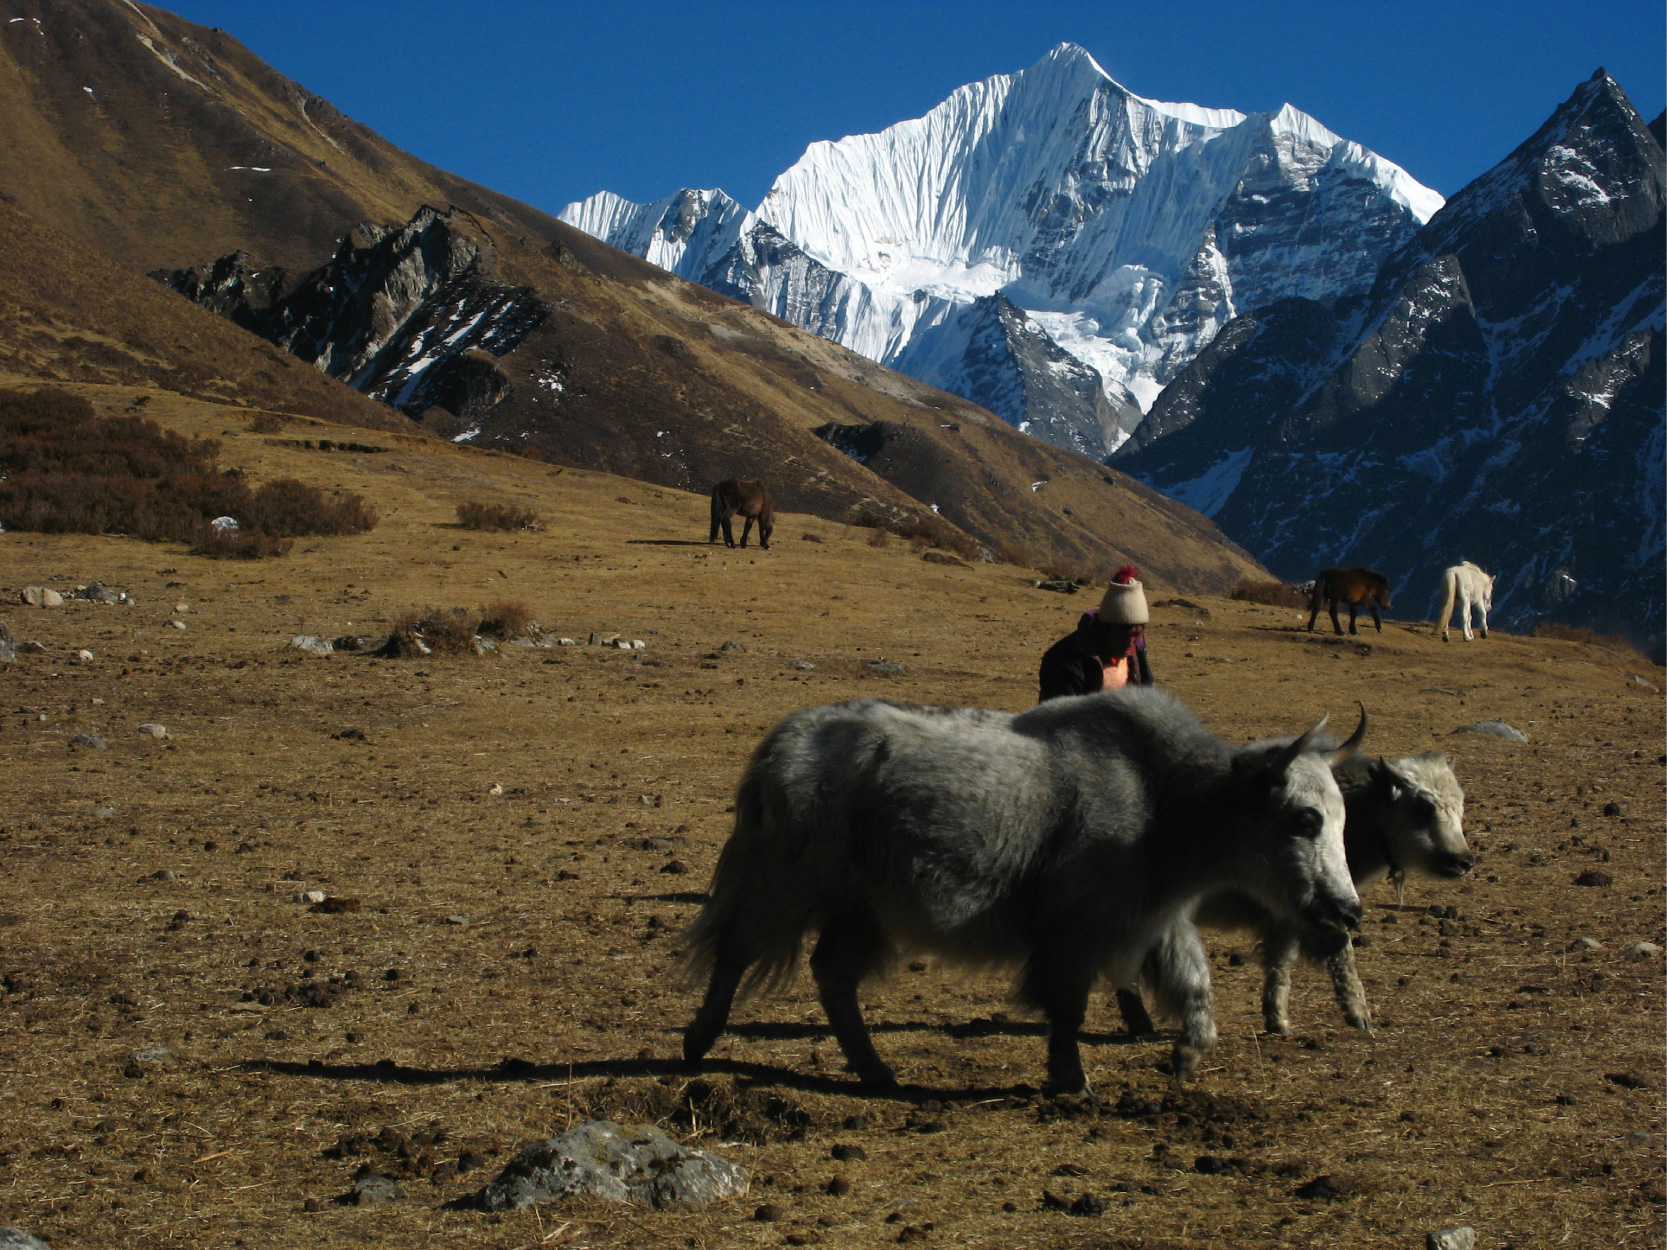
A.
x: 1128, y: 231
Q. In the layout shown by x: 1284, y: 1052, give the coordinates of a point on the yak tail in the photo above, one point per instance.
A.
x: 717, y: 513
x: 1449, y: 593
x: 744, y: 918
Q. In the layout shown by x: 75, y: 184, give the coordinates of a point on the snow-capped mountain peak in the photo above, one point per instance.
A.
x: 1126, y: 230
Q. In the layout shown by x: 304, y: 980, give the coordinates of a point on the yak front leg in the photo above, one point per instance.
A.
x: 1376, y: 619
x: 729, y: 534
x: 1058, y: 981
x: 1180, y: 970
x: 1279, y: 952
x: 709, y: 1021
x: 1354, y: 615
x: 851, y: 948
x: 1335, y: 623
x: 1351, y: 995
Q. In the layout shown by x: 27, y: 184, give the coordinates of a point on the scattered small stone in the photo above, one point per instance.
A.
x: 1636, y: 680
x: 637, y: 644
x: 1595, y: 876
x: 769, y: 1213
x: 496, y: 789
x: 371, y: 1190
x: 83, y: 656
x: 164, y: 874
x: 856, y: 1124
x: 1459, y: 1237
x: 352, y: 735
x: 310, y: 896
x: 1059, y: 584
x: 147, y: 1060
x: 177, y: 624
x: 1626, y: 1080
x: 1643, y: 950
x: 1611, y: 809
x: 312, y: 1206
x: 847, y: 1152
x: 32, y: 595
x: 104, y: 813
x: 457, y: 920
x: 838, y: 1187
x: 150, y: 729
x: 91, y: 741
x: 12, y: 1238
x: 804, y: 666
x: 885, y: 668
x: 1089, y: 1205
x: 676, y: 867
x: 312, y: 645
x: 595, y: 639
x: 1495, y: 729
x: 567, y: 642
x: 639, y: 1166
x: 729, y: 644
x: 1585, y: 944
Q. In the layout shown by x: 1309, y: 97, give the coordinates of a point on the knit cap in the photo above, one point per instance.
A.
x: 1125, y: 600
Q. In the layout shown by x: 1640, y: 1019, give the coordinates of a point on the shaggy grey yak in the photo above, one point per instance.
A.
x: 1072, y: 838
x: 1402, y: 818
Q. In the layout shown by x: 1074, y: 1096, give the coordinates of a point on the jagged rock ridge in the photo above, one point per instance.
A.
x: 1497, y: 397
x: 1124, y: 230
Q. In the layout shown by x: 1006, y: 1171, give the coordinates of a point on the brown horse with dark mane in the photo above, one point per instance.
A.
x: 1353, y: 587
x: 750, y: 499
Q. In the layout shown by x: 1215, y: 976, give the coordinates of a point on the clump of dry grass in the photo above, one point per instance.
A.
x: 238, y: 544
x: 420, y: 632
x: 287, y: 508
x: 503, y: 621
x: 268, y: 423
x: 475, y: 515
x: 1273, y: 594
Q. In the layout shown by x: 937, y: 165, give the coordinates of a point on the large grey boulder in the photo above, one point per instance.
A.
x: 639, y: 1166
x: 16, y: 1239
x: 1494, y: 729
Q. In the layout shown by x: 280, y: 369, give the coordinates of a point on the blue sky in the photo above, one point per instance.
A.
x: 550, y: 102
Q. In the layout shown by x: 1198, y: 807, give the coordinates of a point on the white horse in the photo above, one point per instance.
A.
x: 1469, y: 585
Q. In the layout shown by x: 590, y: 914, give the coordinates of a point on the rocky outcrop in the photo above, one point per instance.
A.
x: 409, y: 315
x: 1498, y: 396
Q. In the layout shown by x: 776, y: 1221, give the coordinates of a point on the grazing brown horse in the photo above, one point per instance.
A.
x: 1353, y: 587
x: 752, y: 500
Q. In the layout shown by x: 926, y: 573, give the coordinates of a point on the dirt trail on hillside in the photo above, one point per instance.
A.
x: 195, y: 1058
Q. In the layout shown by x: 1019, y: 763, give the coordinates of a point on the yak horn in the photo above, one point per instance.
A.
x: 1290, y: 753
x: 1341, y: 753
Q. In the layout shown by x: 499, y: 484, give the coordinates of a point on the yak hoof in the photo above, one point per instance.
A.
x: 1281, y: 1027
x: 1359, y: 1022
x: 881, y: 1081
x: 1068, y: 1087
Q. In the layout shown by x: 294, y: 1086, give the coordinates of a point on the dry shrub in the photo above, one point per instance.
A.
x: 238, y: 544
x: 431, y: 631
x: 64, y: 470
x: 879, y: 538
x: 1273, y: 594
x: 503, y: 621
x: 289, y: 509
x: 1590, y: 637
x: 268, y: 423
x: 475, y: 515
x: 920, y: 530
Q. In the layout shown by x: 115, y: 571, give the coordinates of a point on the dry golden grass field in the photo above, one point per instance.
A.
x: 526, y: 832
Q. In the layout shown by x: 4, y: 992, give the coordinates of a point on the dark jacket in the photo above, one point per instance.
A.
x: 1071, y: 667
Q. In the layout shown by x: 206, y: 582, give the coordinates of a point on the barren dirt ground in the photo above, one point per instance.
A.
x: 510, y: 970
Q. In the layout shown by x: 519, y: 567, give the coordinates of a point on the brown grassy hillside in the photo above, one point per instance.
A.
x: 195, y: 1058
x: 189, y: 146
x: 70, y: 313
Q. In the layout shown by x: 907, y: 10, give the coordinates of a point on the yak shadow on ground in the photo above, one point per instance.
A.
x: 667, y: 542
x: 388, y: 1072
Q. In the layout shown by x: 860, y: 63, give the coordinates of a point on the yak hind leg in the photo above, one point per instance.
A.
x: 709, y: 1021
x: 851, y: 948
x: 1279, y: 951
x: 1136, y: 1020
x: 1483, y: 613
x: 746, y: 528
x: 1180, y: 969
x: 729, y: 532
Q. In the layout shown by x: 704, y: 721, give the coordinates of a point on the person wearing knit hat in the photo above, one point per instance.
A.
x: 1108, y: 649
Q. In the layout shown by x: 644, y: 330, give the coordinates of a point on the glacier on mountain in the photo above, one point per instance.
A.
x: 1126, y: 232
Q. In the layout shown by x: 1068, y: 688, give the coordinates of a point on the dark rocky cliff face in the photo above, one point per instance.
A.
x: 408, y: 315
x: 1497, y: 397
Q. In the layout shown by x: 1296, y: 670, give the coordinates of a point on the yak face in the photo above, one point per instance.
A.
x: 1425, y: 833
x: 1299, y: 869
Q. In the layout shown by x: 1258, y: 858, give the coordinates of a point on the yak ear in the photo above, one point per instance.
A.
x: 1349, y: 747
